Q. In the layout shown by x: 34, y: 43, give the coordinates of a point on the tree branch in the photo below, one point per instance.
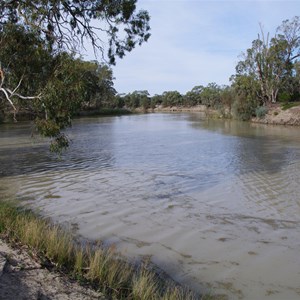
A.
x: 8, y: 93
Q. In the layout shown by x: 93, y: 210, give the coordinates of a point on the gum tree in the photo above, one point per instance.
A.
x: 40, y: 41
x: 271, y: 61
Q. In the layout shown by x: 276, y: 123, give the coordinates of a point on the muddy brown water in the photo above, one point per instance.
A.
x: 213, y: 203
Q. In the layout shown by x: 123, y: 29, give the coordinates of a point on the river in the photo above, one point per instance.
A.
x: 214, y: 203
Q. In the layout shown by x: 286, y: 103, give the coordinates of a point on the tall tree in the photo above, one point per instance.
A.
x: 211, y: 95
x: 193, y: 97
x: 271, y: 61
x: 171, y: 98
x: 39, y: 41
x: 69, y: 23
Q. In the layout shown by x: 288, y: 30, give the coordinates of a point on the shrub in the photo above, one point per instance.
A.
x: 261, y: 111
x: 243, y: 108
x: 284, y: 97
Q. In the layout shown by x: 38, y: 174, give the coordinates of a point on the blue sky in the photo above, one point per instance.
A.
x: 195, y: 42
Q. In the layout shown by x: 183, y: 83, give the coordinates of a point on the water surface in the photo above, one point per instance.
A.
x: 213, y: 203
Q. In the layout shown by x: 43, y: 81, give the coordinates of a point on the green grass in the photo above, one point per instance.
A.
x: 288, y: 105
x: 103, y: 268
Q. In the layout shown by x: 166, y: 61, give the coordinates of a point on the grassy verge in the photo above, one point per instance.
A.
x: 102, y: 268
x: 288, y: 105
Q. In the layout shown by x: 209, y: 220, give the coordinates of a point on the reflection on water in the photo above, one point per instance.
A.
x: 214, y: 203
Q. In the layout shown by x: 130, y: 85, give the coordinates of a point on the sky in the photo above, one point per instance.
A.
x: 195, y: 42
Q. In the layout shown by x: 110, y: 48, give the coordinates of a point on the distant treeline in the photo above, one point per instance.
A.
x: 268, y: 72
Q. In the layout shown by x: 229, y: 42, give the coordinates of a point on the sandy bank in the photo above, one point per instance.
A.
x: 277, y: 116
x: 197, y: 108
x: 25, y: 277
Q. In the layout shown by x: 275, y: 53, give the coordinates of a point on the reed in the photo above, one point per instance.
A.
x: 103, y: 268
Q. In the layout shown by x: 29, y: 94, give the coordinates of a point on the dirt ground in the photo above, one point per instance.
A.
x: 277, y: 116
x: 22, y: 277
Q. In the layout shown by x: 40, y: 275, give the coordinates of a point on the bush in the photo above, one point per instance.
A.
x: 261, y: 111
x: 284, y: 97
x: 243, y: 108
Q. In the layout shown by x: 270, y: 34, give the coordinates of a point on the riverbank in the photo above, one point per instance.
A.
x: 46, y: 260
x: 209, y: 112
x: 279, y: 115
x: 27, y: 116
x: 276, y: 114
x: 25, y: 277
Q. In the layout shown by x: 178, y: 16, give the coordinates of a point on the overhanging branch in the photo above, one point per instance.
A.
x: 9, y: 94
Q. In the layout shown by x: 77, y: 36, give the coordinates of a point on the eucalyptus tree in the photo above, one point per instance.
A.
x: 40, y: 41
x: 193, y: 97
x: 25, y: 67
x: 227, y: 96
x: 211, y: 95
x: 137, y: 99
x: 156, y: 100
x: 99, y: 90
x: 271, y: 61
x: 144, y: 99
x: 172, y: 98
x: 70, y: 23
x: 118, y: 101
x: 59, y: 82
x: 246, y: 93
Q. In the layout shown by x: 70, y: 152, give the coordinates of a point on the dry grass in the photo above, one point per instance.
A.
x: 103, y: 268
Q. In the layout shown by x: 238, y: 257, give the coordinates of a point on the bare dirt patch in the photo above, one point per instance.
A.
x: 23, y: 277
x: 277, y: 116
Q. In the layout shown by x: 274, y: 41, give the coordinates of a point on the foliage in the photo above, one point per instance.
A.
x: 261, y: 111
x: 210, y: 95
x: 24, y: 55
x: 193, y: 97
x: 246, y: 96
x: 284, y: 97
x: 271, y: 61
x: 40, y: 70
x: 118, y: 101
x: 66, y: 83
x: 156, y: 100
x: 67, y: 24
x: 137, y: 99
x: 98, y: 88
x: 243, y: 108
x: 171, y: 98
x: 227, y: 96
x: 289, y: 105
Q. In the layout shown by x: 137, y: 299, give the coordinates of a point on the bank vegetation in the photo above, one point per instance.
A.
x: 102, y: 268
